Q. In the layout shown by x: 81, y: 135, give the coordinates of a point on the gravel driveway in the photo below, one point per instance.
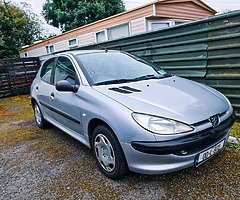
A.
x: 48, y: 164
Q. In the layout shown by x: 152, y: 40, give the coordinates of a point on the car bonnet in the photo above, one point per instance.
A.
x: 173, y: 98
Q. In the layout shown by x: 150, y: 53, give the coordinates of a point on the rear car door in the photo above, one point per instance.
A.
x: 67, y: 104
x: 45, y: 87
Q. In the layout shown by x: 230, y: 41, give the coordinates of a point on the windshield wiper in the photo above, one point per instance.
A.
x: 114, y: 81
x: 145, y: 77
x: 150, y: 76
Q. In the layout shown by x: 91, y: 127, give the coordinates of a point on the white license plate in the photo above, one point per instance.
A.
x: 209, y: 153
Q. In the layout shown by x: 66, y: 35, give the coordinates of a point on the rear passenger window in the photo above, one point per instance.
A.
x: 65, y: 71
x: 47, y: 70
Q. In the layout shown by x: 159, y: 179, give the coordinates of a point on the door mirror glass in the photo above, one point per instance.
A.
x: 65, y: 86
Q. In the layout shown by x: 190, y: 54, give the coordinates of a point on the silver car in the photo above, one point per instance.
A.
x: 131, y: 113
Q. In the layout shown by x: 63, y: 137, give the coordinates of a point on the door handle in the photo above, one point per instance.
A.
x: 52, y: 95
x: 37, y: 88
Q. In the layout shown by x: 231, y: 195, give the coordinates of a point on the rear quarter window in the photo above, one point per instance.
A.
x: 46, y: 71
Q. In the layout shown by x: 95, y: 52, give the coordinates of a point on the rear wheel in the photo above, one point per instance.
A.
x: 41, y: 122
x: 108, y: 153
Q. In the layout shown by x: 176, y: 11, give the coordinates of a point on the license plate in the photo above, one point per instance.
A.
x: 209, y: 153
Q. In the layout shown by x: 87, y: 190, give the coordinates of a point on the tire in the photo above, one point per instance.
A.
x: 40, y: 121
x: 108, y: 153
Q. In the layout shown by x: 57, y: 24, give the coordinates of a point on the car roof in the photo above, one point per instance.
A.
x: 74, y: 52
x: 79, y: 52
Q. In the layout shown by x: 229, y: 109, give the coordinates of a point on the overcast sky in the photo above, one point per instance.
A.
x: 219, y: 5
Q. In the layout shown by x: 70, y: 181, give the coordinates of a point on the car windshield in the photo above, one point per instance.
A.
x: 117, y: 67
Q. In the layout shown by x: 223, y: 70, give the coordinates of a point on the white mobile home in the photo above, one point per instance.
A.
x: 153, y: 16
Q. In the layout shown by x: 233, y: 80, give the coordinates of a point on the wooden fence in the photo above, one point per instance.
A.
x: 16, y: 75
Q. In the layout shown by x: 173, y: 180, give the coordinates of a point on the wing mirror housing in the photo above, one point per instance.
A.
x: 65, y: 86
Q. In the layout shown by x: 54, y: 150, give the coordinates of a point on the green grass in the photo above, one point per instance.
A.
x: 235, y: 130
x: 235, y: 146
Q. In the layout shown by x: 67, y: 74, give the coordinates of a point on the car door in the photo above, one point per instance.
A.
x: 66, y: 104
x: 45, y: 87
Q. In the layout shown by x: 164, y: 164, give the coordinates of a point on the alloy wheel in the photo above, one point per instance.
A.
x: 104, y: 152
x: 38, y: 116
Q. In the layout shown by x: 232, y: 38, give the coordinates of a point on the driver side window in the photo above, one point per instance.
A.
x: 65, y: 71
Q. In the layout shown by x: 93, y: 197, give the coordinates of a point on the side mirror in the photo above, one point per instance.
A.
x: 65, y: 86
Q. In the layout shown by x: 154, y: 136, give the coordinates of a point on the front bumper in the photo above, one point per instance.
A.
x: 164, y: 157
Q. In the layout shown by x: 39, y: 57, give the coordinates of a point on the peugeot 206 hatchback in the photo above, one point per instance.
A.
x: 131, y: 113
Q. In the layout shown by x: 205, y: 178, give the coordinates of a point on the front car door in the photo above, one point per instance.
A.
x: 66, y: 104
x: 44, y: 88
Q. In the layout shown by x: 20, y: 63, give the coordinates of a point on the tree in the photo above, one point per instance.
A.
x: 69, y: 14
x: 19, y: 27
x: 1, y: 38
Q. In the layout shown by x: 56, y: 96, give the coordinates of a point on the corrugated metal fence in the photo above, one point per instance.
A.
x: 16, y: 75
x: 207, y: 51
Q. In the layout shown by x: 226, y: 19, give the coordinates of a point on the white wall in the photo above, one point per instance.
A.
x: 138, y: 26
x: 61, y: 46
x: 35, y: 53
x: 86, y: 39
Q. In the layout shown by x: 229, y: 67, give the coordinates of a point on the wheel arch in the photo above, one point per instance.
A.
x: 122, y: 168
x: 93, y: 123
x: 33, y: 101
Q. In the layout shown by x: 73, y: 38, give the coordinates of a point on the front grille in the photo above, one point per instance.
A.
x: 206, y: 140
x: 207, y: 120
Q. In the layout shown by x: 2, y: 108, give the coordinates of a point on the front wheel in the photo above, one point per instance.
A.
x: 108, y: 153
x: 41, y: 122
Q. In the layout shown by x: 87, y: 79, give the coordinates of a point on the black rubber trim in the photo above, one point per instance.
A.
x: 120, y: 90
x: 67, y: 116
x: 130, y: 89
x: 191, y: 143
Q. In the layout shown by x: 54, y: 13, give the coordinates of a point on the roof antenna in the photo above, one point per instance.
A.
x: 106, y: 50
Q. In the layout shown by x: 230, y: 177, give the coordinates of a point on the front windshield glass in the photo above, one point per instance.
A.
x: 113, y: 67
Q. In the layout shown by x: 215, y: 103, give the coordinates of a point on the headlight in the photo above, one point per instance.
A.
x: 230, y: 110
x: 160, y: 125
